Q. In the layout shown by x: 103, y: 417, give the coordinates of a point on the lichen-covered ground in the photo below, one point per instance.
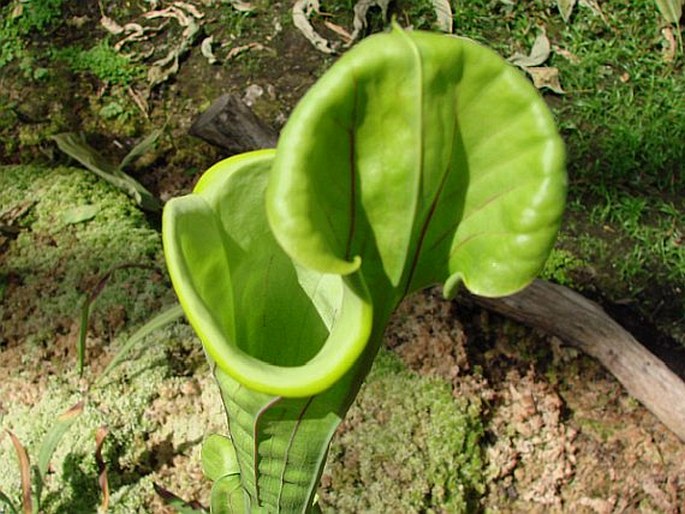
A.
x: 464, y: 411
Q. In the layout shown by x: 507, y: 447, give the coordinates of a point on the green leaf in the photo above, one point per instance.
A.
x: 8, y: 503
x: 218, y: 457
x: 80, y: 214
x: 75, y: 146
x: 243, y: 296
x: 281, y: 443
x: 284, y: 342
x: 420, y: 158
x: 416, y: 159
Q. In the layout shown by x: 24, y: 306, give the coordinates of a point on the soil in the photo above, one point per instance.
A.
x: 560, y: 433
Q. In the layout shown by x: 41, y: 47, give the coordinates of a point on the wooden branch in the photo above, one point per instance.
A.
x: 230, y: 124
x: 557, y: 310
x: 582, y: 323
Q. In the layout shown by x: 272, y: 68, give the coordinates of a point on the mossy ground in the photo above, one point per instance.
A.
x: 407, y: 445
x: 68, y: 229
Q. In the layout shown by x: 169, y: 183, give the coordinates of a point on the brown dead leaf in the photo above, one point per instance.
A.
x: 593, y: 5
x: 140, y: 101
x: 360, y: 10
x: 443, y: 13
x: 191, y: 9
x: 17, y: 10
x: 241, y: 6
x: 566, y: 8
x: 233, y: 52
x: 206, y: 49
x: 538, y: 54
x: 340, y: 31
x: 160, y: 71
x: 25, y: 471
x: 100, y: 435
x: 111, y: 26
x: 672, y: 47
x: 569, y: 56
x: 302, y: 11
x: 546, y: 77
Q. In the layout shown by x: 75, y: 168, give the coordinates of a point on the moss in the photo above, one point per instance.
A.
x: 54, y: 261
x: 121, y: 406
x: 134, y: 449
x: 406, y: 446
x: 560, y: 267
x: 103, y: 61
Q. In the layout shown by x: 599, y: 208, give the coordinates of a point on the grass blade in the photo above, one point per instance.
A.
x: 88, y: 302
x: 164, y: 318
x: 83, y: 332
x: 25, y: 470
x: 102, y: 467
x: 5, y: 499
x: 54, y: 436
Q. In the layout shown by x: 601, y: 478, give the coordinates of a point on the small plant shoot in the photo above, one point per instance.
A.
x: 416, y: 159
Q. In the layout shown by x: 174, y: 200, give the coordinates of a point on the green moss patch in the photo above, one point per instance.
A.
x: 407, y: 445
x: 64, y: 229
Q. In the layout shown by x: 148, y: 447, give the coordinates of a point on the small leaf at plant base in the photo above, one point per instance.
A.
x: 80, y: 214
x: 227, y: 496
x: 218, y: 457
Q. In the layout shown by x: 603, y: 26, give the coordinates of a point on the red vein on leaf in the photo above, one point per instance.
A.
x: 353, y: 177
x: 431, y: 213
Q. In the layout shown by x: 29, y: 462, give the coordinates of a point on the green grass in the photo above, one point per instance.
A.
x: 18, y: 20
x: 102, y: 61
